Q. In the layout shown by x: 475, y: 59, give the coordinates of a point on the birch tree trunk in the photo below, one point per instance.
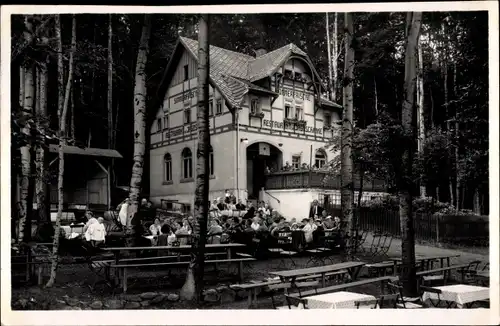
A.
x: 347, y: 191
x: 72, y: 117
x: 193, y: 287
x: 329, y: 51
x: 456, y: 134
x: 29, y: 97
x: 139, y: 120
x: 41, y: 184
x: 405, y: 183
x: 335, y: 57
x: 375, y: 95
x: 62, y: 113
x: 420, y: 108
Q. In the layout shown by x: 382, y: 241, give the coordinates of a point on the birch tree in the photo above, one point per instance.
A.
x: 420, y: 106
x: 63, y: 103
x: 110, y: 82
x: 139, y: 119
x: 28, y: 91
x: 329, y: 52
x: 347, y: 191
x: 335, y: 57
x: 193, y: 287
x: 41, y: 183
x: 405, y: 184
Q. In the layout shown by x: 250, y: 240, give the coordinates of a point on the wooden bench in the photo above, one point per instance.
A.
x: 344, y: 286
x: 430, y: 275
x: 161, y: 258
x: 253, y: 288
x: 124, y: 267
x: 380, y: 269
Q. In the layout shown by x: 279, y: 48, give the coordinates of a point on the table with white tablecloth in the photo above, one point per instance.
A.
x: 461, y: 294
x: 337, y: 300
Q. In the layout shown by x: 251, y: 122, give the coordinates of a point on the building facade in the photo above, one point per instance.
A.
x: 265, y: 111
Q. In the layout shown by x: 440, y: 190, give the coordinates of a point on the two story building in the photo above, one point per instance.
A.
x: 265, y: 111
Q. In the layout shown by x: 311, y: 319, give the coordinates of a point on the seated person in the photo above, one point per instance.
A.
x: 155, y: 228
x: 336, y: 223
x: 262, y: 226
x: 90, y: 220
x: 214, y: 232
x: 163, y: 237
x: 220, y: 204
x: 255, y: 223
x: 247, y: 226
x: 308, y: 230
x: 96, y: 233
x: 280, y: 225
x: 328, y: 223
x: 185, y: 229
x: 250, y: 212
x: 240, y: 206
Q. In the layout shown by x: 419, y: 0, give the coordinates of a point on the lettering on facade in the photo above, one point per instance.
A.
x: 287, y: 126
x: 188, y: 95
x: 187, y: 129
x: 294, y: 94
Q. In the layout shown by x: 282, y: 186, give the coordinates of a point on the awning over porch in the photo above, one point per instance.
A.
x: 74, y: 150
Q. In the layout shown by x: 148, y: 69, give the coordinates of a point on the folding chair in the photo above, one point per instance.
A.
x: 438, y: 292
x: 374, y: 246
x: 383, y: 248
x: 360, y: 241
x: 470, y: 271
x: 388, y: 301
x: 292, y: 302
x: 403, y: 302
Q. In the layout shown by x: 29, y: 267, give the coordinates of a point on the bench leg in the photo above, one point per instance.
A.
x: 124, y: 281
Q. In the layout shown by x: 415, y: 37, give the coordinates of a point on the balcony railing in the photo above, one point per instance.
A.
x: 317, y: 179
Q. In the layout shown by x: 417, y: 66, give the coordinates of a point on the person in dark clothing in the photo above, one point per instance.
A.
x: 315, y: 210
x: 240, y: 206
x: 250, y: 212
x: 221, y: 205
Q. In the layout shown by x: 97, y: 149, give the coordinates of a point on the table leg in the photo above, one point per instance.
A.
x: 395, y: 268
x: 240, y: 271
x: 124, y: 281
x: 229, y: 253
x: 323, y: 282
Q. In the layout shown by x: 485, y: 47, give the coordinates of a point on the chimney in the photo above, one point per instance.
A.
x: 260, y: 49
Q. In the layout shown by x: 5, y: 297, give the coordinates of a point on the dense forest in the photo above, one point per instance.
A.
x: 452, y: 85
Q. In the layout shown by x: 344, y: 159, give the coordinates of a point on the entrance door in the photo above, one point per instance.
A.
x: 258, y: 158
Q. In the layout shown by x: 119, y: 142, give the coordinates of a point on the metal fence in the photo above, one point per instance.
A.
x: 454, y: 229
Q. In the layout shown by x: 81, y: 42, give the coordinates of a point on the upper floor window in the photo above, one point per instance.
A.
x: 296, y: 161
x: 254, y: 106
x: 167, y: 167
x: 186, y: 72
x: 158, y: 125
x: 187, y: 163
x: 211, y: 108
x: 288, y: 110
x: 328, y: 120
x: 298, y: 76
x: 187, y: 115
x: 218, y: 107
x: 299, y: 112
x: 288, y: 74
x: 320, y: 158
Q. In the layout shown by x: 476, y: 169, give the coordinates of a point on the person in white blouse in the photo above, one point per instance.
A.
x: 90, y: 220
x: 255, y: 224
x: 155, y: 228
x: 96, y: 232
x: 308, y: 229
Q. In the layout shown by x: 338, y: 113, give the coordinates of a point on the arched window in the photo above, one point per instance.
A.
x: 187, y: 163
x: 211, y: 161
x: 320, y: 158
x: 167, y: 167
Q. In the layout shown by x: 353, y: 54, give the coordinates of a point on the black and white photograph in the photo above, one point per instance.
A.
x: 231, y: 160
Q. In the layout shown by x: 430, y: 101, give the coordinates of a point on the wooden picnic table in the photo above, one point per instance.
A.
x: 227, y: 246
x: 353, y: 268
x: 427, y: 261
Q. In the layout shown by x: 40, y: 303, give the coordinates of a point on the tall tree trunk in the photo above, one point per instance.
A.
x: 110, y: 82
x: 347, y: 192
x: 29, y: 95
x: 72, y: 117
x: 41, y: 186
x: 63, y: 103
x: 375, y: 95
x: 139, y: 119
x: 405, y: 184
x: 193, y: 287
x: 329, y: 52
x: 335, y: 57
x: 457, y: 179
x: 476, y: 202
x: 420, y: 109
x: 447, y: 111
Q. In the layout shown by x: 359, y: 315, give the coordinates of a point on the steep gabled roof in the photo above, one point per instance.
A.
x: 234, y: 73
x: 266, y: 64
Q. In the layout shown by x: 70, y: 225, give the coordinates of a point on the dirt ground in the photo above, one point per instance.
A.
x: 73, y: 282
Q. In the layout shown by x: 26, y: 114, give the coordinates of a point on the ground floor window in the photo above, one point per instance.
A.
x: 320, y: 158
x: 296, y: 161
x: 167, y: 165
x: 187, y: 164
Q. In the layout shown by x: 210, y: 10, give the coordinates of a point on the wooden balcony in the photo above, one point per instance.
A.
x: 316, y: 179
